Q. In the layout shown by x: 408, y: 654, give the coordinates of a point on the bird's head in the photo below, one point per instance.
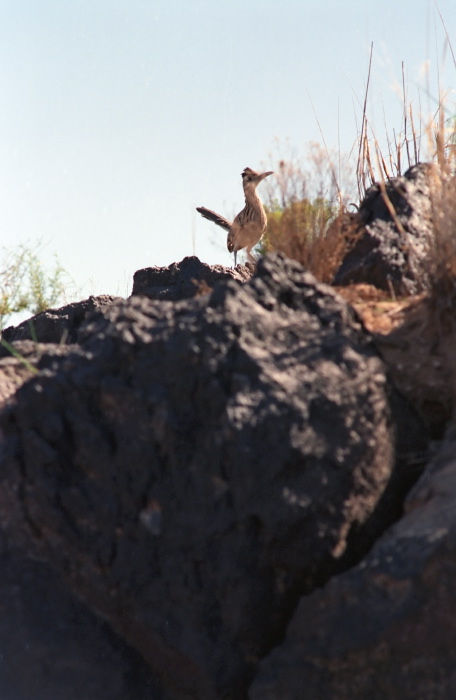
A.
x: 250, y: 178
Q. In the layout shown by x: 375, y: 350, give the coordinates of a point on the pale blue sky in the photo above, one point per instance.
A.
x: 119, y: 117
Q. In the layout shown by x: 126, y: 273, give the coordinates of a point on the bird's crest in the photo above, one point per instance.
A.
x: 249, y: 174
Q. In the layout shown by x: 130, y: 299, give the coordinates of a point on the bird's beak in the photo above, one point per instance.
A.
x: 263, y: 175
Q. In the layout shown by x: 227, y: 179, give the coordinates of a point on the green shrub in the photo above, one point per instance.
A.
x: 26, y: 285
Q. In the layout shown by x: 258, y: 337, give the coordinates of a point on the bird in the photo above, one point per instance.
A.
x: 248, y: 227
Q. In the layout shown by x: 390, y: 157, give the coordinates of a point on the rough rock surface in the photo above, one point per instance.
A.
x: 387, y: 628
x: 396, y: 221
x: 185, y: 279
x: 198, y: 465
x: 56, y: 325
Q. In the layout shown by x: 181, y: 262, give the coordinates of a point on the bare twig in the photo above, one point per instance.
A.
x: 405, y: 115
x: 446, y: 32
x: 415, y: 141
x: 361, y: 152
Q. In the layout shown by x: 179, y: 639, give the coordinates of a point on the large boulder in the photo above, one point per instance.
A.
x: 395, y: 234
x: 387, y: 628
x: 197, y: 466
x: 185, y: 279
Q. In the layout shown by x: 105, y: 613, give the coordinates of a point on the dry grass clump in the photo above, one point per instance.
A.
x: 312, y: 234
x: 442, y: 256
x: 307, y: 211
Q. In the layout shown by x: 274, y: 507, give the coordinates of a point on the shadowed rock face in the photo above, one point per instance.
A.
x: 54, y: 648
x: 387, y: 628
x: 383, y: 255
x: 198, y: 465
x: 58, y: 326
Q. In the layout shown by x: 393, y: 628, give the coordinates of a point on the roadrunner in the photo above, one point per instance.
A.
x: 250, y: 224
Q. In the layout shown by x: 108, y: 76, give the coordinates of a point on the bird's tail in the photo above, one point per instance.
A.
x: 215, y: 218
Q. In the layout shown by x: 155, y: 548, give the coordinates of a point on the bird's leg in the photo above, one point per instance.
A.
x: 235, y: 256
x: 250, y: 257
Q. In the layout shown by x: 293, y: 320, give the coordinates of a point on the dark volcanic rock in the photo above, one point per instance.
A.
x: 383, y: 255
x: 184, y: 280
x: 198, y: 465
x: 387, y: 628
x: 54, y: 648
x: 57, y: 325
